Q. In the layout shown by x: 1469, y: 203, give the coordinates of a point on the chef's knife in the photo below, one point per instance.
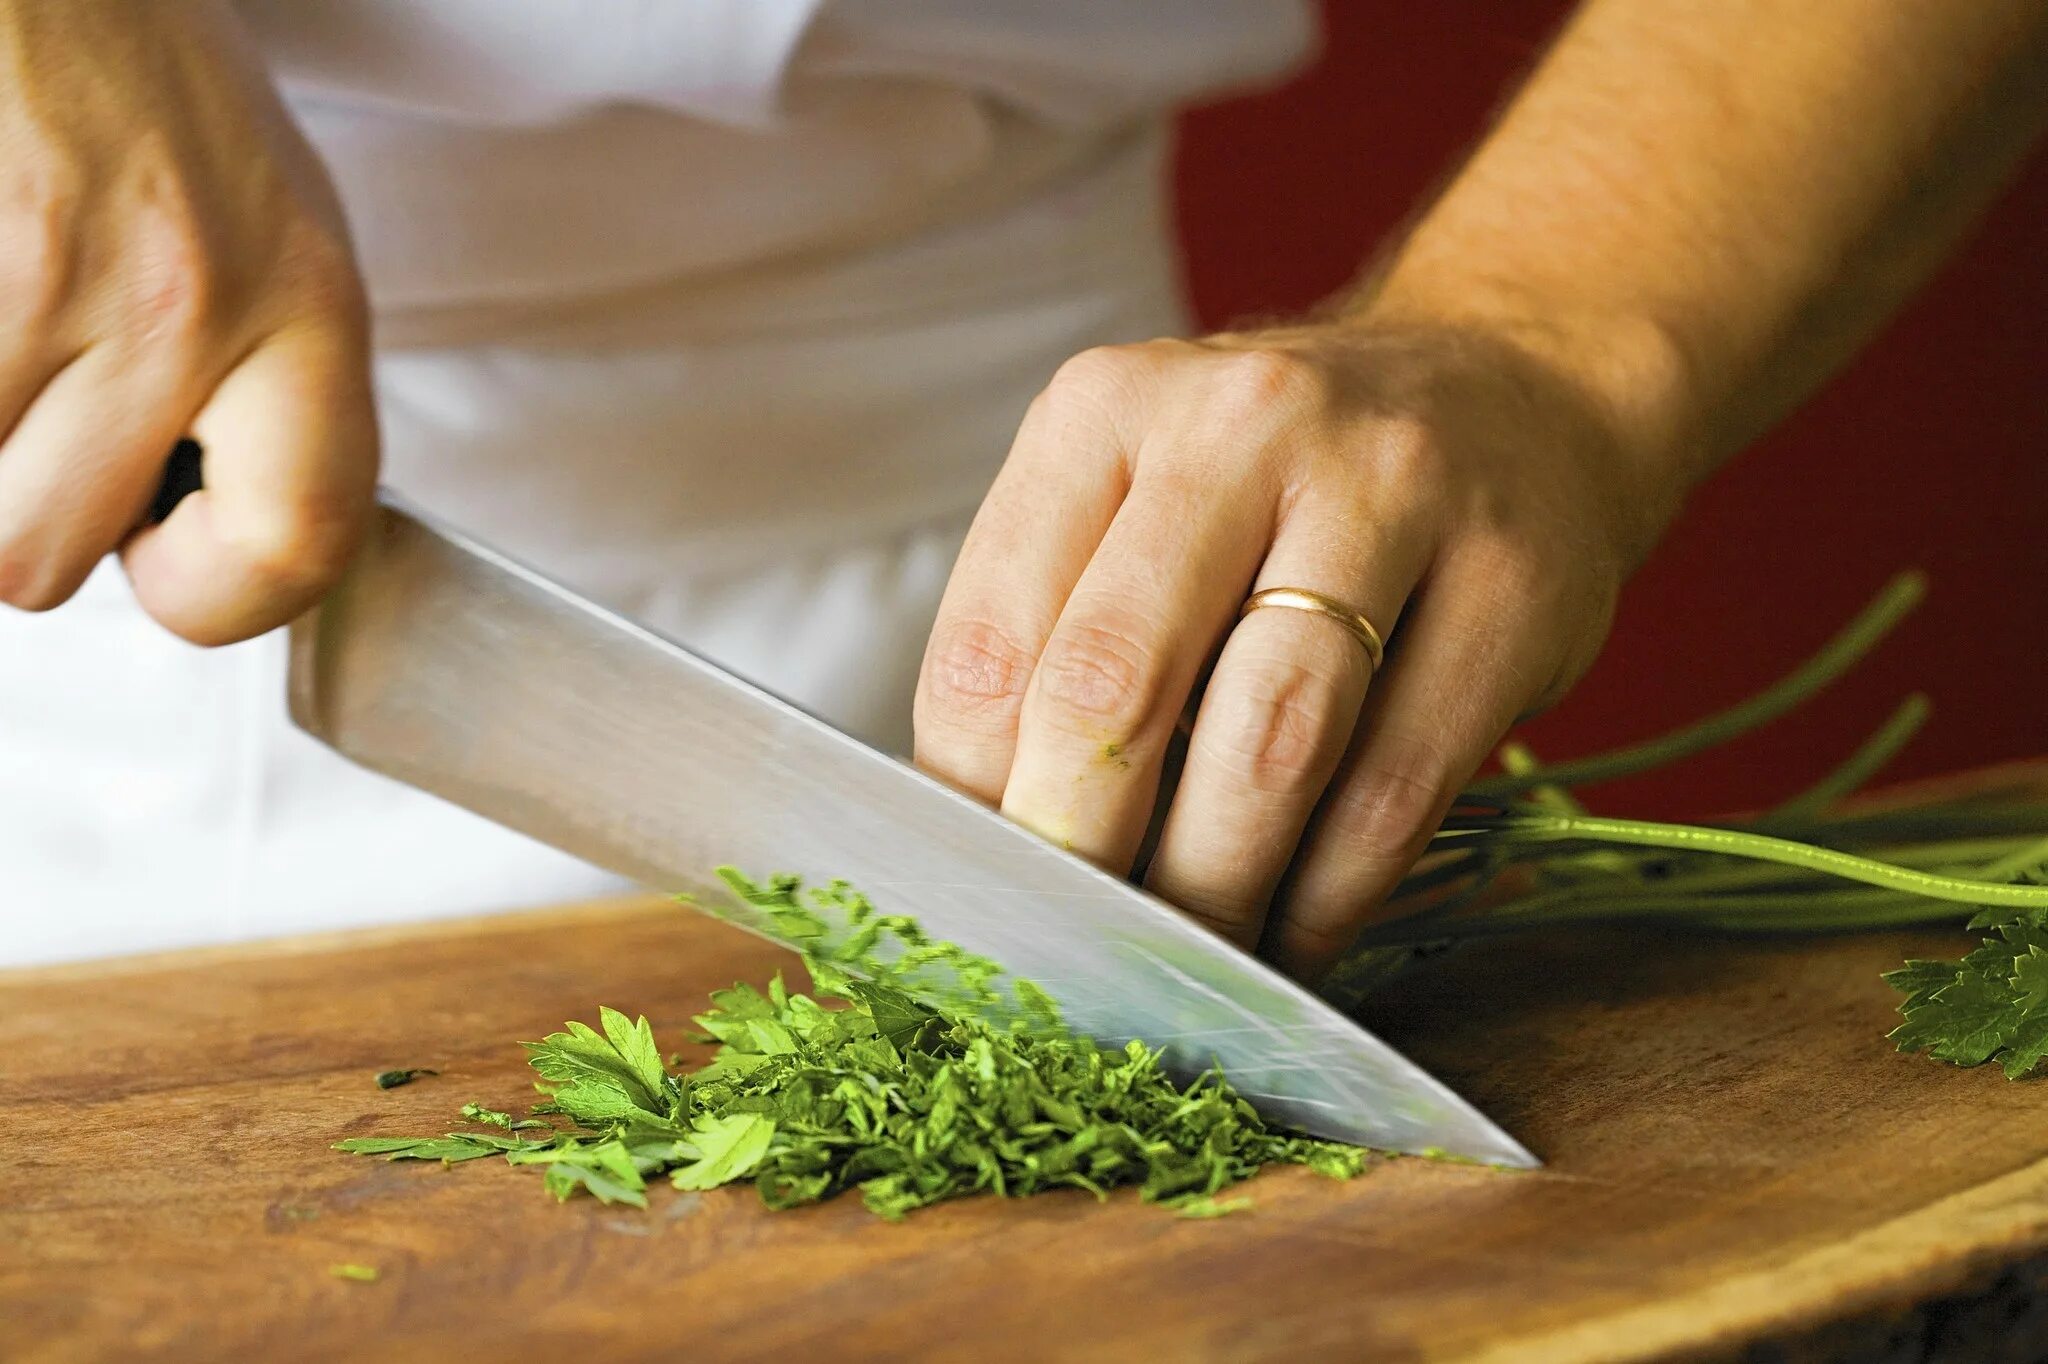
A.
x: 448, y: 666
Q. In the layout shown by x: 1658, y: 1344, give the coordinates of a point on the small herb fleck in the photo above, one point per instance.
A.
x: 359, y: 1273
x: 392, y: 1079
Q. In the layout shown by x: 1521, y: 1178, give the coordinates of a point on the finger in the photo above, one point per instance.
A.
x: 291, y: 473
x: 1473, y: 655
x: 1123, y: 658
x: 38, y: 340
x: 78, y: 468
x: 25, y: 371
x: 1278, y: 715
x: 1066, y: 475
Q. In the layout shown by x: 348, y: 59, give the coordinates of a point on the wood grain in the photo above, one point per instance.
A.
x: 1735, y: 1156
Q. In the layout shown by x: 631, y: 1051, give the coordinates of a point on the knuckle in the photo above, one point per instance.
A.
x: 1261, y: 380
x: 38, y: 237
x: 1501, y: 519
x: 1391, y: 804
x: 319, y: 268
x: 176, y: 297
x: 29, y: 585
x: 296, y: 550
x: 975, y: 669
x: 1096, y: 677
x: 1545, y: 587
x: 1272, y: 734
x: 1233, y: 922
x: 1516, y: 569
x: 1324, y: 937
x: 1090, y: 370
x: 171, y: 242
x: 177, y: 287
x: 1093, y: 381
x: 1407, y: 461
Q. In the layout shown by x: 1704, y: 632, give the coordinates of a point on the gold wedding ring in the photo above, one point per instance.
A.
x: 1301, y: 599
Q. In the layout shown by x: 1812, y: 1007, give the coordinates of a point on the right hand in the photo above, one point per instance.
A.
x: 173, y: 262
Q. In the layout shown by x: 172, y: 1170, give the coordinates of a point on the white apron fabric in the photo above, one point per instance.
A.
x: 723, y: 313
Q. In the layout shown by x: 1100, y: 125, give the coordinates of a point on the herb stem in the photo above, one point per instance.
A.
x: 1923, y: 823
x: 1715, y: 876
x: 1517, y: 759
x: 1836, y: 657
x: 1778, y: 912
x: 2028, y: 857
x: 1761, y: 847
x: 1866, y: 762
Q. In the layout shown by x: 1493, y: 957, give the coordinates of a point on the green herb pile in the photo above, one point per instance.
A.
x: 1520, y: 853
x: 907, y: 1103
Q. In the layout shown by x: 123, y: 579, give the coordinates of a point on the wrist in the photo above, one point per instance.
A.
x: 1628, y: 370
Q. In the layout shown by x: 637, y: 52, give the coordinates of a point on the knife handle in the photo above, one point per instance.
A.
x: 183, y: 475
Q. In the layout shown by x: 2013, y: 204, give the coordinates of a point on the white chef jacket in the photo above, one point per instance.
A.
x: 721, y: 311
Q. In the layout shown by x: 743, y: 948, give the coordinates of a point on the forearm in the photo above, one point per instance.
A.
x: 1698, y: 208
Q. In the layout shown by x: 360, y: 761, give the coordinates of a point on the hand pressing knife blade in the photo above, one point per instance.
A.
x: 450, y: 667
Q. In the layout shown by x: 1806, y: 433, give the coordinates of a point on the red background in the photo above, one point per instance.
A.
x: 1930, y: 451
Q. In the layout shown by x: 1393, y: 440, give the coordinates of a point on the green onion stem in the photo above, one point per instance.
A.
x: 1921, y: 824
x: 1765, y: 848
x: 1518, y: 760
x: 1836, y: 657
x: 1483, y: 876
x: 1866, y: 762
x: 2026, y: 858
x: 1467, y: 861
x: 1714, y: 875
x: 1805, y: 912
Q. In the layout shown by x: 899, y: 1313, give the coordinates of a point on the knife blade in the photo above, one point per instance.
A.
x: 451, y: 667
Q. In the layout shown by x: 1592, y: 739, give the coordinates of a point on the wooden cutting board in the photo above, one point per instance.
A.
x: 1736, y: 1157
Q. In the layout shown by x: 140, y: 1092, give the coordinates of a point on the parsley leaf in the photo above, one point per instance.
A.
x: 728, y: 1148
x: 563, y: 1179
x: 1991, y: 1005
x: 613, y: 1076
x: 895, y: 1015
x: 634, y: 1043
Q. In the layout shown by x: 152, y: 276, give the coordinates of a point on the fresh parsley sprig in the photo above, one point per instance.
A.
x: 1521, y: 853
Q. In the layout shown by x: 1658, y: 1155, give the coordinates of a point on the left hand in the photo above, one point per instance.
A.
x: 1475, y: 506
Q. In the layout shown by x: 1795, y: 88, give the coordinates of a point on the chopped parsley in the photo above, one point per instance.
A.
x: 864, y: 1087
